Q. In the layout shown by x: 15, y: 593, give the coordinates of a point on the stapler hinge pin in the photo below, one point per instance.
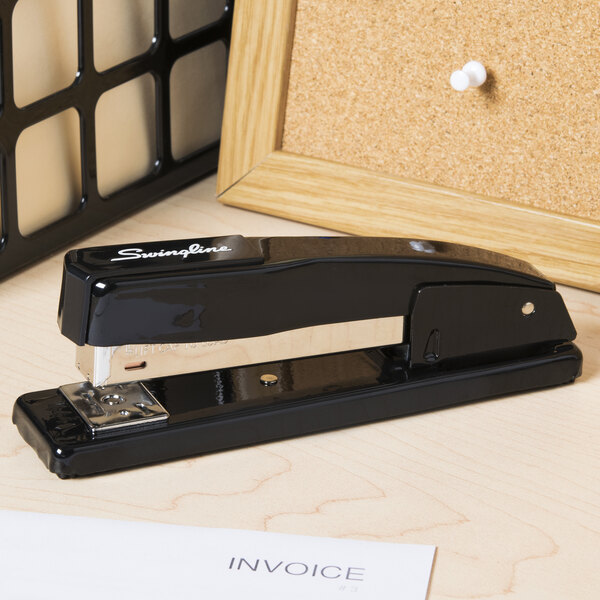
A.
x: 528, y: 308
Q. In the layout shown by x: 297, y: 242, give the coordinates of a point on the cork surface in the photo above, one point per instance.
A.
x: 369, y: 87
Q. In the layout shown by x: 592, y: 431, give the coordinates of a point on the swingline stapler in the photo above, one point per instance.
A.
x: 194, y: 346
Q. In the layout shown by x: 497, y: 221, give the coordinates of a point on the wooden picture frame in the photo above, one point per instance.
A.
x: 254, y: 173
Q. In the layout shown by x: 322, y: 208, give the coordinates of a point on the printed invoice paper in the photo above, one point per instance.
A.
x: 58, y: 557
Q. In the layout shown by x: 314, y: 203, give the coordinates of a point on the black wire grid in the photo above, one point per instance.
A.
x: 95, y: 211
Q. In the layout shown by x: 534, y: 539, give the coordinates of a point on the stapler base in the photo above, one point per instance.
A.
x: 229, y: 408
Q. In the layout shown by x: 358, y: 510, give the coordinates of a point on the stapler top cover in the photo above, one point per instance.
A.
x: 470, y: 300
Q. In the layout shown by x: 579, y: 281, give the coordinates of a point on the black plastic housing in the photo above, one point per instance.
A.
x: 228, y: 408
x: 260, y: 285
x: 89, y: 84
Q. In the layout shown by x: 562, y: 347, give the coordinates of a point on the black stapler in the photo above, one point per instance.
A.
x: 167, y: 335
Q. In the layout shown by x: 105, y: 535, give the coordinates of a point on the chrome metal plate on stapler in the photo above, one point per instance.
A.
x: 112, y: 407
x: 108, y: 365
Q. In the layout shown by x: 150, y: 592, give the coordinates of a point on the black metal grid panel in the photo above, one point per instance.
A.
x: 94, y: 210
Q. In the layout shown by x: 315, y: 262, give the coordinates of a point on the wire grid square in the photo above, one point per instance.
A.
x: 95, y: 211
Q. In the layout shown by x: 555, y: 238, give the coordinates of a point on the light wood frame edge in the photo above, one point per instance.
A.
x: 254, y: 173
x: 259, y: 60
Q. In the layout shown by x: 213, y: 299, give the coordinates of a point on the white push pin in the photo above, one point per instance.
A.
x: 473, y: 74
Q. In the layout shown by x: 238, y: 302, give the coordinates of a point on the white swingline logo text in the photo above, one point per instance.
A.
x: 135, y: 253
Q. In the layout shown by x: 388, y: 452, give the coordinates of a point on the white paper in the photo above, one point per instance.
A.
x: 55, y: 557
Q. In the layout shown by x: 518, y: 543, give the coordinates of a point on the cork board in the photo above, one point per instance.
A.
x: 369, y: 87
x: 259, y: 171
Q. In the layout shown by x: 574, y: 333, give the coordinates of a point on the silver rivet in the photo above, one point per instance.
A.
x: 268, y: 379
x: 528, y: 308
x: 124, y: 412
x: 112, y: 399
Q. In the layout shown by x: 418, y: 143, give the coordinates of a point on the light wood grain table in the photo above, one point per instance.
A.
x: 507, y: 489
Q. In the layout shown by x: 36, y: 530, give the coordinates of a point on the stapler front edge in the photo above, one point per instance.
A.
x: 184, y: 318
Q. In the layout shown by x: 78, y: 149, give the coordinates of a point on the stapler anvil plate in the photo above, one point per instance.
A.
x: 185, y: 319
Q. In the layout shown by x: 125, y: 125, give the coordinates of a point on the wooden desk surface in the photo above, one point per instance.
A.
x: 508, y: 489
